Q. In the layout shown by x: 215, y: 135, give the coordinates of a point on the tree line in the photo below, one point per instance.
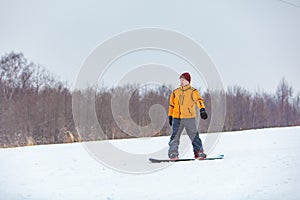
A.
x: 36, y: 108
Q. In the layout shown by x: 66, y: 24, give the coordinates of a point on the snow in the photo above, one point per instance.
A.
x: 258, y: 164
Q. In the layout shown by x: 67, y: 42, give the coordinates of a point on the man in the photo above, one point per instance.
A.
x: 182, y: 114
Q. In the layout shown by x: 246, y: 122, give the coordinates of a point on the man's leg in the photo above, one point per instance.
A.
x: 175, y: 137
x: 191, y: 129
x: 197, y: 144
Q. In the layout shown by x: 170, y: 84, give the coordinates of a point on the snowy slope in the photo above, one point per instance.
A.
x: 258, y: 164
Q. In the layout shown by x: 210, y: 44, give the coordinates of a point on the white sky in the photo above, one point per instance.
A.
x: 253, y: 43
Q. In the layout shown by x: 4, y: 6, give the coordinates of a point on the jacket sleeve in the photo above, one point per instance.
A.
x: 198, y: 99
x: 172, y: 104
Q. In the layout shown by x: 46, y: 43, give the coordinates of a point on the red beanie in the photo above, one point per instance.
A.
x: 186, y: 76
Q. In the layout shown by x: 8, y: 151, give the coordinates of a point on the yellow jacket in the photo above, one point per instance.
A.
x: 183, y: 101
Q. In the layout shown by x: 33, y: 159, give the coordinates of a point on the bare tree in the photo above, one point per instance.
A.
x: 284, y: 93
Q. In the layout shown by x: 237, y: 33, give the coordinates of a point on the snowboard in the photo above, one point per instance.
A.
x: 153, y: 160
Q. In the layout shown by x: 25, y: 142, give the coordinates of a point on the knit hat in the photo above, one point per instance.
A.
x: 186, y: 76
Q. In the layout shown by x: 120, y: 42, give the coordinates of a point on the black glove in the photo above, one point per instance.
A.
x: 170, y: 120
x: 203, y: 113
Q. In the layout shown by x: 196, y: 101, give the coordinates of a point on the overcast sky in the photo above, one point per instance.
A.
x: 254, y: 43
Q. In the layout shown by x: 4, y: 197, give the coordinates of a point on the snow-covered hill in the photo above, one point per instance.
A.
x: 258, y: 164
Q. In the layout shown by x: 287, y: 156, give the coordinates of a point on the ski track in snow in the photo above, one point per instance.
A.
x: 258, y: 164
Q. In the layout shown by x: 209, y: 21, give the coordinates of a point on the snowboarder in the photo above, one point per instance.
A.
x: 182, y: 114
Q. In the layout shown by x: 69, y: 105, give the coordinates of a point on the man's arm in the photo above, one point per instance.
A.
x: 199, y: 100
x: 200, y: 104
x: 171, y: 108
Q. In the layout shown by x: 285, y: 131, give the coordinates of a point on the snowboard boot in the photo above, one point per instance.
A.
x: 174, y: 156
x: 200, y: 155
